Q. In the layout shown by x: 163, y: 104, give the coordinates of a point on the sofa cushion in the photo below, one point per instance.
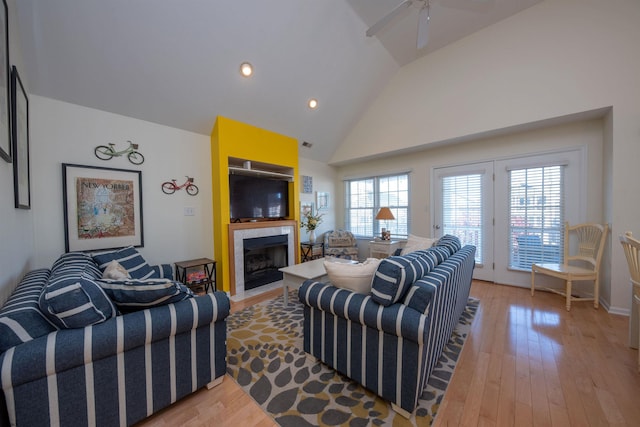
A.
x: 132, y: 294
x: 20, y: 318
x: 130, y: 259
x: 73, y: 299
x: 450, y: 242
x: 415, y: 243
x: 441, y: 253
x: 397, y: 273
x: 75, y: 263
x: 354, y: 276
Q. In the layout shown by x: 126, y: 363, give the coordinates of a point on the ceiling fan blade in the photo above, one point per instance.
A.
x: 423, y: 27
x: 388, y: 17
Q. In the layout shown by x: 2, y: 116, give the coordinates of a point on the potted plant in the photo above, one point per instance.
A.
x: 310, y: 222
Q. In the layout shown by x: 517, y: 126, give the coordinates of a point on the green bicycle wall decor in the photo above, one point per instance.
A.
x: 104, y: 152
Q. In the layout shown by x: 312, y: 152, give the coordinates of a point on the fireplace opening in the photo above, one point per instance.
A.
x: 263, y: 256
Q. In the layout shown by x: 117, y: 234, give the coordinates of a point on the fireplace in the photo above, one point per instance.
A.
x: 268, y: 245
x: 263, y: 256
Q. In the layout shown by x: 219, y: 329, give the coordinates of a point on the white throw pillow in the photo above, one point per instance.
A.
x: 115, y: 271
x: 356, y: 277
x: 416, y: 243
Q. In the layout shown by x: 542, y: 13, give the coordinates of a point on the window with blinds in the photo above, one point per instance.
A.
x: 462, y: 210
x: 365, y: 197
x: 536, y: 216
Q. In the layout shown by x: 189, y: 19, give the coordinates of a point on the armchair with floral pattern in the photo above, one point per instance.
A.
x: 340, y: 244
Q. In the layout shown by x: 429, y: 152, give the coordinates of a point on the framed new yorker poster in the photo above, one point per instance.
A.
x: 102, y: 207
x: 5, y: 128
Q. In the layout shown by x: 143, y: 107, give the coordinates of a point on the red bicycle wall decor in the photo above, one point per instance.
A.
x: 170, y: 187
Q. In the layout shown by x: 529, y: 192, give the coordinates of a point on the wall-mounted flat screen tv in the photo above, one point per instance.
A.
x: 253, y: 197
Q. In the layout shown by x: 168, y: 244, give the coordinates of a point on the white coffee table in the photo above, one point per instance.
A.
x: 294, y: 275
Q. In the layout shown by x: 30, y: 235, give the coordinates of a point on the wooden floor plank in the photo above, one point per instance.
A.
x: 526, y: 362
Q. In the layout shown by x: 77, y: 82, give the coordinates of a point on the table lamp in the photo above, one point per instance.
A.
x: 386, y: 215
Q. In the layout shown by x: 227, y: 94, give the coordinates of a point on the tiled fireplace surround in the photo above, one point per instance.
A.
x: 249, y: 230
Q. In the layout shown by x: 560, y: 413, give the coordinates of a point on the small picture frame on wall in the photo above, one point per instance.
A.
x: 306, y: 208
x: 307, y: 184
x: 322, y: 200
x: 20, y: 137
x: 5, y: 86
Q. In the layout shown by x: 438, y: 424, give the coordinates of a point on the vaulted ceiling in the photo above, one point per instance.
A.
x: 177, y: 63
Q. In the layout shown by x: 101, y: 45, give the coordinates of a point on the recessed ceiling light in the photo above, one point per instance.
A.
x: 313, y: 103
x: 246, y: 69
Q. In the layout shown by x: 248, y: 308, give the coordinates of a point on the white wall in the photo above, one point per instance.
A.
x: 324, y: 179
x: 557, y: 58
x: 67, y: 133
x: 587, y: 133
x: 16, y: 225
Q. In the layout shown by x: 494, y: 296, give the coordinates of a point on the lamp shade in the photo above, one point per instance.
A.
x: 385, y: 213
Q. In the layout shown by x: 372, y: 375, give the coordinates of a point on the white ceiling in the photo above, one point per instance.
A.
x: 177, y: 62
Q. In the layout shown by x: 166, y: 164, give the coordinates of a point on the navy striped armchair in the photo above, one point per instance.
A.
x: 391, y: 339
x: 115, y: 371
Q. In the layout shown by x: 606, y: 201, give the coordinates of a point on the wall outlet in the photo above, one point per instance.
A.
x: 189, y: 211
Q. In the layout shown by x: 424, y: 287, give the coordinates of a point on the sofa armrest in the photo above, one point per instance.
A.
x: 164, y: 271
x: 397, y: 319
x: 70, y: 348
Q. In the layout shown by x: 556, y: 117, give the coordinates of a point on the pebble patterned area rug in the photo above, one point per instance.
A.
x: 265, y: 357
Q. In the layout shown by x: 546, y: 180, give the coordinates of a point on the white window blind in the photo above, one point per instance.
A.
x: 462, y: 210
x: 365, y: 197
x: 536, y: 216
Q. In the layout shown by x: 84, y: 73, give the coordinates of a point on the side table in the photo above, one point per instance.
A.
x: 311, y: 251
x: 382, y: 248
x: 202, y: 274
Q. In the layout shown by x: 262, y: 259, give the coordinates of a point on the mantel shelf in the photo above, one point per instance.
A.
x: 256, y: 172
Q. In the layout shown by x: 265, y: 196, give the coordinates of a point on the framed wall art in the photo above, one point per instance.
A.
x: 322, y: 200
x: 307, y: 184
x: 102, y: 207
x: 5, y: 85
x: 305, y: 209
x: 20, y: 137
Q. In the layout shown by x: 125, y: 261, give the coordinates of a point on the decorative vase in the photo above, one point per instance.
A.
x: 312, y: 236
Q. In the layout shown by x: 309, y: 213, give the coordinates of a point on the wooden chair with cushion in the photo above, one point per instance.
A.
x: 583, y: 264
x: 631, y: 248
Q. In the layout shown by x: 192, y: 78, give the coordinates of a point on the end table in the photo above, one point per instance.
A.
x: 382, y: 248
x: 311, y: 251
x: 207, y: 277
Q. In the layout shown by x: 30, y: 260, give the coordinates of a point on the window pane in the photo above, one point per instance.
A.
x: 536, y: 215
x: 365, y: 197
x: 462, y: 210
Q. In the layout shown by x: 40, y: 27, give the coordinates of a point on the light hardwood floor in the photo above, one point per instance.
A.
x: 527, y: 361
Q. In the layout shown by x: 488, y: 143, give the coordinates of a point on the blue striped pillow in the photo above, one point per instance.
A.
x: 396, y: 274
x: 21, y: 319
x: 450, y: 242
x: 75, y: 301
x: 130, y: 259
x: 440, y: 253
x: 134, y: 294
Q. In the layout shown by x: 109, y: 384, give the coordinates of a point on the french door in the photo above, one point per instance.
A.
x: 464, y: 197
x: 512, y: 210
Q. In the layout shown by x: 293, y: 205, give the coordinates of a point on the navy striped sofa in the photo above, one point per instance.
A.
x: 117, y: 369
x: 390, y: 340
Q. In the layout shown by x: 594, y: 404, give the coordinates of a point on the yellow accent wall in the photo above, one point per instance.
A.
x: 231, y: 138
